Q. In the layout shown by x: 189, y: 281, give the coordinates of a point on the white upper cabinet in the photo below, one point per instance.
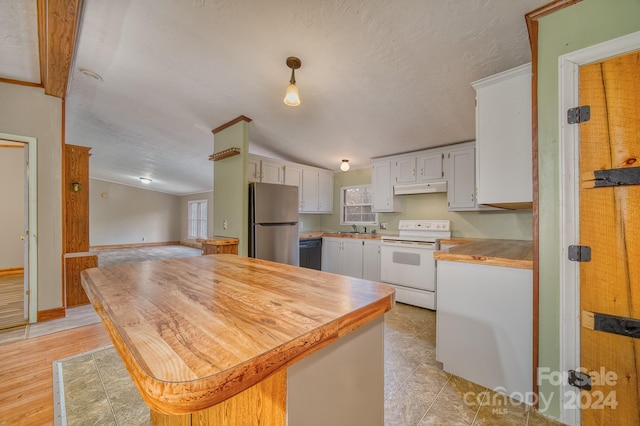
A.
x: 430, y: 167
x: 427, y: 166
x: 461, y: 186
x: 503, y: 139
x: 317, y: 190
x: 405, y: 170
x: 293, y: 177
x: 325, y: 191
x: 265, y: 170
x: 315, y: 186
x: 382, y: 186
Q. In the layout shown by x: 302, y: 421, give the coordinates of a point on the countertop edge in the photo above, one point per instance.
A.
x: 161, y: 395
x: 505, y: 253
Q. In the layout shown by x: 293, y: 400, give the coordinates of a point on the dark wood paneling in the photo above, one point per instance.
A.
x: 76, y: 203
x: 74, y: 293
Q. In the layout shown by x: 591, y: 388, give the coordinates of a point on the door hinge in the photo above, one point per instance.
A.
x: 580, y: 253
x: 579, y: 380
x: 579, y: 114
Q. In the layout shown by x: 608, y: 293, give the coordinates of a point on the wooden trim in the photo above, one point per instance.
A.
x: 57, y: 26
x: 20, y: 82
x: 134, y: 245
x: 11, y: 146
x: 42, y: 39
x: 531, y: 19
x: 224, y: 154
x: 11, y: 271
x: 51, y: 314
x: 190, y: 244
x: 231, y: 123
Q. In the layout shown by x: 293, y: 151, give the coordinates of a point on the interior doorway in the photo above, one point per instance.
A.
x: 14, y: 248
x: 18, y: 252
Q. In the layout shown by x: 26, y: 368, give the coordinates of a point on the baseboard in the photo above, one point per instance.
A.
x: 135, y: 245
x: 11, y: 271
x: 51, y: 314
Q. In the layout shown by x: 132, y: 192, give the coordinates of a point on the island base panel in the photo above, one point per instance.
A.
x: 262, y: 404
x: 341, y: 384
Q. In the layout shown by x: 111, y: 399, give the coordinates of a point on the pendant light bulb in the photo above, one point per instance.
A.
x: 292, y: 97
x: 345, y: 165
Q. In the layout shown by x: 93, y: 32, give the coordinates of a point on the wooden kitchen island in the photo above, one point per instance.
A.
x: 229, y: 340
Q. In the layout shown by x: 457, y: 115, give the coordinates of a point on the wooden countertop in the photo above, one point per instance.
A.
x: 193, y: 332
x: 509, y: 253
x: 219, y: 241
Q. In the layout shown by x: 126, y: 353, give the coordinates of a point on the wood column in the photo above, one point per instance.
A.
x: 76, y: 223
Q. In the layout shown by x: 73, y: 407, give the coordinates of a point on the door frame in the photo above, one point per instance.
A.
x: 569, y: 145
x: 32, y: 268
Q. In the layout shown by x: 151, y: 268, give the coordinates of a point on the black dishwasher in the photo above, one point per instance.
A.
x: 310, y: 253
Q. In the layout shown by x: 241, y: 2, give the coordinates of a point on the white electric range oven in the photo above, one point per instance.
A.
x: 407, y: 260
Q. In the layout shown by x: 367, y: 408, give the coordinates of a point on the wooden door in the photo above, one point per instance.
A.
x: 610, y: 225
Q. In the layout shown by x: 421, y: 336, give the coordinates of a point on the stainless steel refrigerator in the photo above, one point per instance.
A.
x: 273, y: 222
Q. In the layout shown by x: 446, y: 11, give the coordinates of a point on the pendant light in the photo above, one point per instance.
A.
x: 292, y: 97
x: 345, y: 165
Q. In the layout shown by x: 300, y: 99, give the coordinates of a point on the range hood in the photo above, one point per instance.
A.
x: 420, y: 188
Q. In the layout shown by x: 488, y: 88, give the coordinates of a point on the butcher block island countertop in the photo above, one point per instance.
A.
x: 508, y: 253
x: 195, y: 332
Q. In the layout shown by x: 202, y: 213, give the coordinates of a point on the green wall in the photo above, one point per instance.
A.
x: 490, y: 224
x: 581, y: 25
x: 230, y: 186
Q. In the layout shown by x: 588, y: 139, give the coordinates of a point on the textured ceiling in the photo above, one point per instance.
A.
x: 378, y: 77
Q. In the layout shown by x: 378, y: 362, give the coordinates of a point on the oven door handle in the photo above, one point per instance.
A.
x: 409, y: 244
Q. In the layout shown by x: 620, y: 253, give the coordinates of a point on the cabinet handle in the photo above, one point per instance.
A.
x: 413, y: 172
x: 421, y: 172
x: 471, y: 197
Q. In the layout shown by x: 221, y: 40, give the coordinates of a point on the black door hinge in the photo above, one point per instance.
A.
x: 579, y: 380
x: 580, y: 253
x: 579, y: 114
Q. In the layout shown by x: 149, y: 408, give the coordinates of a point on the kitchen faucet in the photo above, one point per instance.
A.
x: 355, y: 228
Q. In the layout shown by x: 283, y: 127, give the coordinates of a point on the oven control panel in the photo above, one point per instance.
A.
x: 426, y: 225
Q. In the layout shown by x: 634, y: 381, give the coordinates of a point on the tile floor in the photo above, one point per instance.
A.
x: 417, y: 391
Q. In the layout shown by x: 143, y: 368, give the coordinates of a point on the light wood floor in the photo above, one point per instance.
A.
x: 11, y: 301
x: 26, y: 376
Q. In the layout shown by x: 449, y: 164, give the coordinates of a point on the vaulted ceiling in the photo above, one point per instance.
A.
x: 378, y: 77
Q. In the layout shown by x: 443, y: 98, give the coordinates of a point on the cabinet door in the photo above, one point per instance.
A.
x: 332, y: 255
x: 430, y: 167
x: 352, y: 257
x: 461, y: 185
x: 325, y: 192
x: 293, y: 176
x: 381, y: 183
x: 253, y: 170
x: 309, y: 190
x: 503, y: 132
x: 271, y: 172
x: 405, y: 170
x: 371, y: 260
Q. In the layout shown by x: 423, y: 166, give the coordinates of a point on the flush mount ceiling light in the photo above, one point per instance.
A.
x: 145, y: 180
x: 292, y: 98
x: 90, y: 73
x: 345, y: 165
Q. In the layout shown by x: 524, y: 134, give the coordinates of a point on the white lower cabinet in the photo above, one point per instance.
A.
x: 354, y: 257
x: 484, y: 325
x: 371, y: 260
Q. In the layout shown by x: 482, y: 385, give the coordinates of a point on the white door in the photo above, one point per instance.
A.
x: 352, y: 257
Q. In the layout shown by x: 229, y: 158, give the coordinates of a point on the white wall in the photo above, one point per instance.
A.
x: 12, y: 211
x: 184, y: 215
x: 27, y: 111
x: 120, y: 214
